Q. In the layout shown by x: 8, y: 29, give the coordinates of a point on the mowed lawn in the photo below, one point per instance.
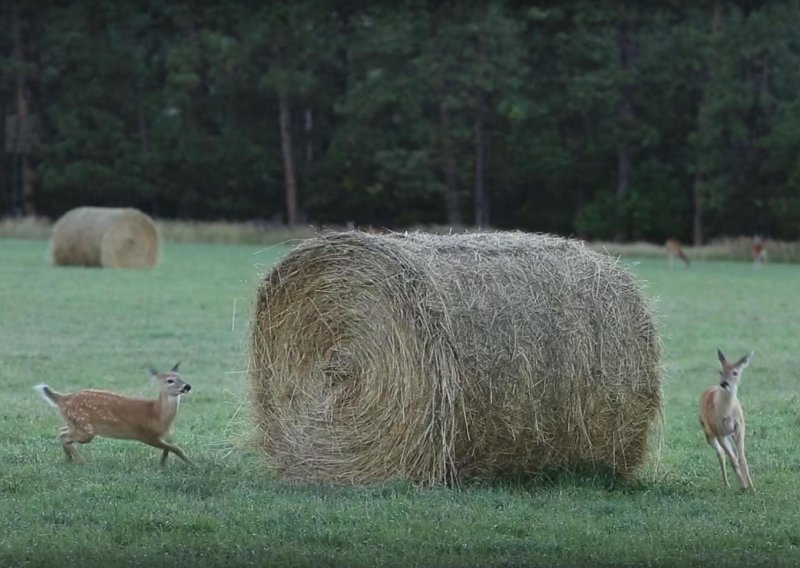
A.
x: 75, y: 328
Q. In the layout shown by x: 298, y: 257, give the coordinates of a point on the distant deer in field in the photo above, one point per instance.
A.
x: 674, y: 249
x: 759, y: 250
x: 89, y: 413
x: 722, y: 419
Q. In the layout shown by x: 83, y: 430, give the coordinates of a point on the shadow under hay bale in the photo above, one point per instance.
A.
x: 108, y: 237
x: 433, y: 357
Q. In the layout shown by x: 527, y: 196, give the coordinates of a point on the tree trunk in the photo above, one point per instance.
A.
x: 23, y: 116
x: 144, y: 139
x: 452, y: 201
x: 481, y: 197
x: 700, y: 176
x: 288, y: 160
x: 448, y: 162
x: 482, y: 216
x: 628, y: 54
x: 697, y: 217
x: 623, y: 182
x: 142, y: 124
x: 308, y: 126
x: 580, y: 205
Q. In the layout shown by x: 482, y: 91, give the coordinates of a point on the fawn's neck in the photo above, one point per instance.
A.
x: 167, y: 407
x: 728, y: 395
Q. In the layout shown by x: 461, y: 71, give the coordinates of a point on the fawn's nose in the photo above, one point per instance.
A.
x: 186, y: 388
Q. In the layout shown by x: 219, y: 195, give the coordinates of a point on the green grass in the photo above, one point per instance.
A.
x: 74, y: 327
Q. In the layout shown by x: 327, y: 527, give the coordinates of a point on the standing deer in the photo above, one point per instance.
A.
x: 674, y: 249
x: 89, y: 413
x: 759, y: 250
x: 722, y: 419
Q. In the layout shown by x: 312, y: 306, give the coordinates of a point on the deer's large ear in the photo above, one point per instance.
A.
x: 745, y: 361
x: 721, y: 357
x: 175, y: 368
x: 153, y: 373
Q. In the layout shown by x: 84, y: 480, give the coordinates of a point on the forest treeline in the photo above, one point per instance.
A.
x: 625, y: 120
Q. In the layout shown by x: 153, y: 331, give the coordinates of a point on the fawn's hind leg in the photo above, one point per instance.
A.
x: 68, y: 436
x: 744, y: 469
x: 730, y: 451
x: 67, y: 444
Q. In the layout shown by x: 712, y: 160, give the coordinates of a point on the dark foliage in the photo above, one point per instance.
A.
x: 596, y: 119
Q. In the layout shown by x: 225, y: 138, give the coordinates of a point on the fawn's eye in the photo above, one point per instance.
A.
x: 170, y: 381
x: 736, y: 373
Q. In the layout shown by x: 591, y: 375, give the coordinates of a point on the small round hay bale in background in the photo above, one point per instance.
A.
x: 431, y: 357
x: 103, y: 236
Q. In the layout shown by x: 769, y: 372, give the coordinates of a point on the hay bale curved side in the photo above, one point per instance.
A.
x: 431, y: 357
x: 108, y: 237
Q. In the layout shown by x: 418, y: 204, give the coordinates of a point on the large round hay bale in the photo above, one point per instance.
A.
x: 432, y: 357
x: 102, y: 236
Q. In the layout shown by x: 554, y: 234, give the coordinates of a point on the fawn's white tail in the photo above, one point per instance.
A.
x: 89, y: 413
x: 47, y: 394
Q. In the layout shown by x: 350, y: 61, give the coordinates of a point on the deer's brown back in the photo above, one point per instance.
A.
x: 108, y: 414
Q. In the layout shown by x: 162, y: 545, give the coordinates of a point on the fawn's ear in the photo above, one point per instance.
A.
x: 175, y: 368
x: 721, y: 357
x: 745, y: 361
x: 153, y: 373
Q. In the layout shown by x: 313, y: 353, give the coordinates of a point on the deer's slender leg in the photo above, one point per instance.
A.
x: 744, y: 470
x: 721, y: 456
x: 68, y: 439
x: 167, y: 447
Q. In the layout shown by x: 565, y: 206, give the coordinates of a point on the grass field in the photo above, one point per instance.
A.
x: 74, y: 327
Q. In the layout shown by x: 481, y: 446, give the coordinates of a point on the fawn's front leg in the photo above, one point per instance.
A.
x: 168, y: 447
x: 714, y: 443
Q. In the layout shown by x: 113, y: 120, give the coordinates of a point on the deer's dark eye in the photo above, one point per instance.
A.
x: 736, y: 373
x: 170, y: 381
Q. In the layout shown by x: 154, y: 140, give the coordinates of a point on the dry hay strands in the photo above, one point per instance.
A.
x: 108, y: 237
x: 430, y: 357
